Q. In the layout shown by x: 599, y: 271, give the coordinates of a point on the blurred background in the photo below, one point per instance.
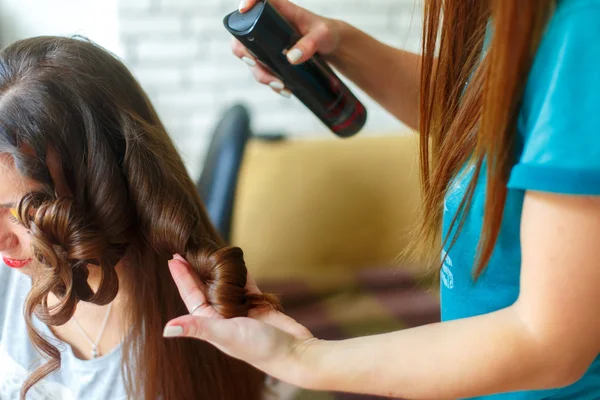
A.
x: 323, y: 222
x: 180, y: 52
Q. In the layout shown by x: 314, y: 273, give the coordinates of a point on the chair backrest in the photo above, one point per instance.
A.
x: 219, y: 177
x: 323, y: 208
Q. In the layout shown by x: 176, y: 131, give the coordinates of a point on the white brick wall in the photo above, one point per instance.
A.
x: 181, y: 54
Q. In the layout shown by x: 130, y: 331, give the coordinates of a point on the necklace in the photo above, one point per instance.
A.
x: 95, y: 353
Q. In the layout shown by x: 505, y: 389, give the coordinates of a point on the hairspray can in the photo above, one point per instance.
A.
x: 268, y: 36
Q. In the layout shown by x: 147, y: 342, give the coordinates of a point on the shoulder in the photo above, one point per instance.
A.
x: 564, y: 83
x: 573, y: 6
x: 573, y: 30
x: 558, y: 150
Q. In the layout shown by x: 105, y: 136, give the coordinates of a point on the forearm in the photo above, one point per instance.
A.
x: 488, y: 354
x: 388, y: 75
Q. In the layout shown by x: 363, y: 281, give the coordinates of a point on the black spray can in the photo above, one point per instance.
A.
x: 268, y: 36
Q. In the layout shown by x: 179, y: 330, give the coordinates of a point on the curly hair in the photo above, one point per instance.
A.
x: 130, y: 200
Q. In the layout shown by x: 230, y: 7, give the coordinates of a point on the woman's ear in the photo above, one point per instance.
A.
x: 61, y: 188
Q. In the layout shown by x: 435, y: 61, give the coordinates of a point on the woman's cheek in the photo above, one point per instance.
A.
x: 25, y: 248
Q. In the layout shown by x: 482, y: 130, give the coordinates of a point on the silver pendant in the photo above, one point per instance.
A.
x: 95, y: 352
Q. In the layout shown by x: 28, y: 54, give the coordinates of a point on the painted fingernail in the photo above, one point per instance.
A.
x: 249, y: 61
x: 277, y: 85
x: 243, y: 5
x: 285, y: 93
x: 14, y: 212
x: 294, y: 55
x: 173, y: 331
x: 179, y: 258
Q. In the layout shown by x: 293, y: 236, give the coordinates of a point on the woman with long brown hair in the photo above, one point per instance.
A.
x: 94, y: 201
x: 506, y: 98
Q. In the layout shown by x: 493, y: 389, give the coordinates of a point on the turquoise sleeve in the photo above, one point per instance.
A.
x: 559, y: 124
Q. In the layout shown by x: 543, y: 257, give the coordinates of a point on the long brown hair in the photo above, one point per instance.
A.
x: 130, y: 199
x: 470, y: 100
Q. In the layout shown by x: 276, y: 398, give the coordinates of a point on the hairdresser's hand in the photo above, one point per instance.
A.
x: 267, y: 339
x: 319, y: 35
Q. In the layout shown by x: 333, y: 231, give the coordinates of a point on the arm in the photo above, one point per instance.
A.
x: 390, y: 76
x: 547, y: 339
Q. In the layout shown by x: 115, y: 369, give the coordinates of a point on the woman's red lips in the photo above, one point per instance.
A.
x: 15, y: 263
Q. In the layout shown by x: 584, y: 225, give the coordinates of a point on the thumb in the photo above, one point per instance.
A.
x: 218, y: 332
x: 306, y: 47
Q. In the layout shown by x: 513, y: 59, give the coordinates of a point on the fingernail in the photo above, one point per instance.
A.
x: 294, y: 55
x: 249, y: 61
x: 277, y: 85
x: 179, y: 258
x: 285, y: 93
x: 14, y: 213
x: 173, y: 331
x: 242, y: 6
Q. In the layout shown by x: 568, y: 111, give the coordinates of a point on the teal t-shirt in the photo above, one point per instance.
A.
x: 558, y: 149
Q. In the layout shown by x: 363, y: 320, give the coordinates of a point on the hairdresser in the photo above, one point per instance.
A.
x: 508, y: 112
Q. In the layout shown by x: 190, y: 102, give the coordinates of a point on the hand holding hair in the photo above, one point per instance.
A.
x: 267, y: 338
